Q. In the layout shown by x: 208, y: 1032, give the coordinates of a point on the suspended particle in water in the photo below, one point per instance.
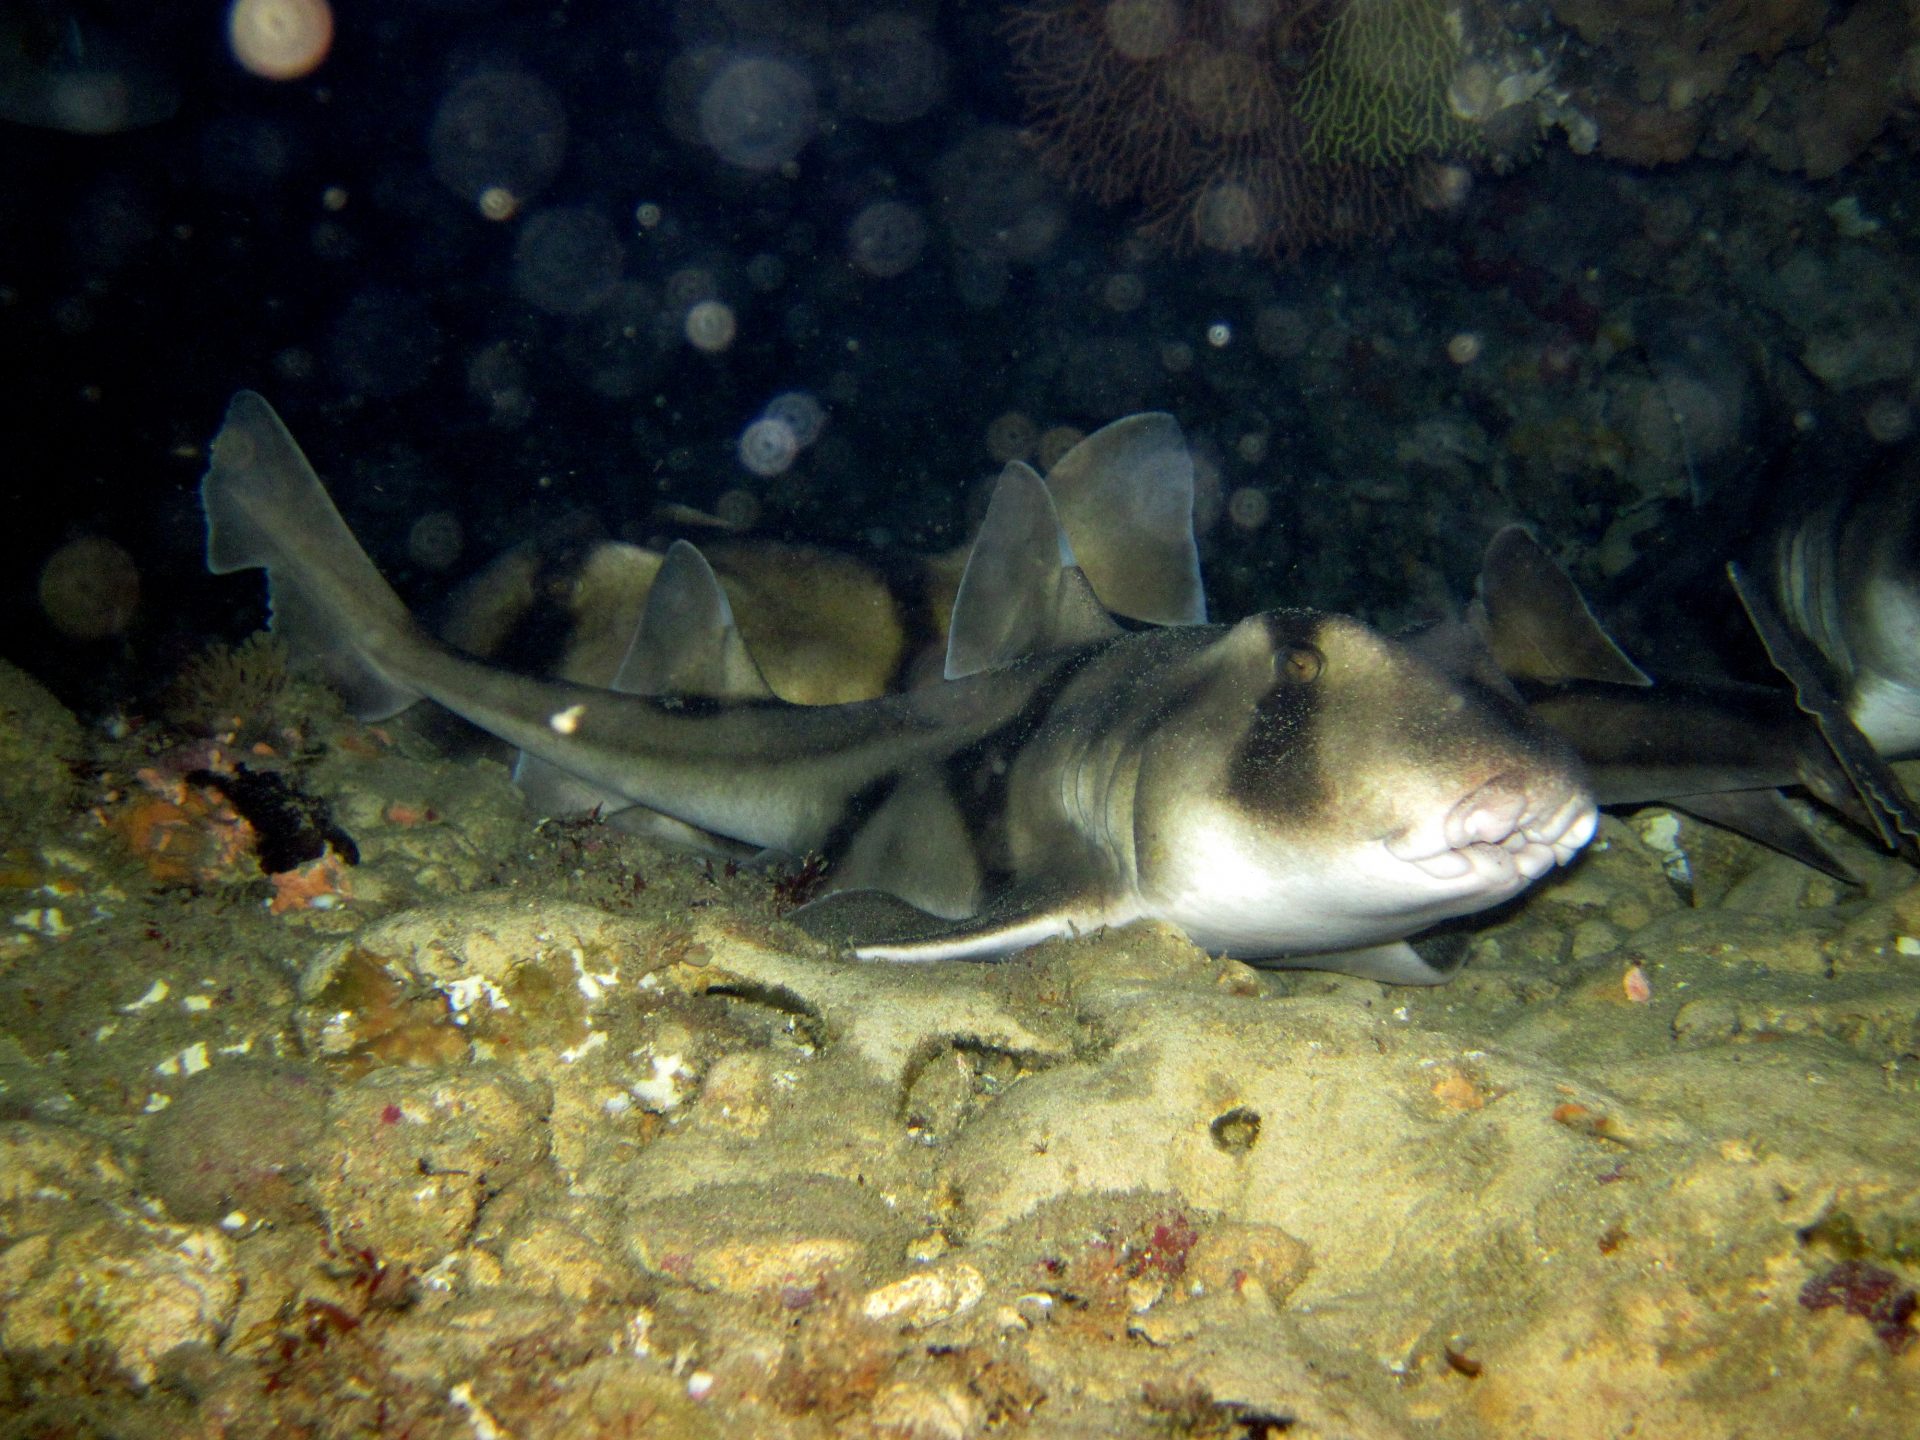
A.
x: 739, y: 509
x: 886, y: 238
x: 567, y: 260
x: 995, y: 203
x: 435, y: 540
x: 766, y: 272
x: 296, y: 362
x: 1888, y: 419
x: 499, y: 203
x: 800, y: 413
x: 1142, y: 29
x: 498, y: 130
x: 647, y: 215
x: 689, y: 285
x: 768, y: 446
x: 280, y: 39
x: 1012, y: 436
x: 1123, y: 292
x: 1055, y: 442
x: 1219, y: 335
x: 1465, y: 348
x: 758, y: 112
x: 710, y: 326
x: 888, y: 69
x: 90, y: 589
x: 498, y: 379
x: 1229, y: 217
x: 1248, y: 508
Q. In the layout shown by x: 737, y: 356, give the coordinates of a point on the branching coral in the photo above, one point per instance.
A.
x: 1377, y: 91
x: 1267, y: 125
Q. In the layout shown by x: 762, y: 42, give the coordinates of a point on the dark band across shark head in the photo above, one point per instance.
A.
x: 1293, y: 789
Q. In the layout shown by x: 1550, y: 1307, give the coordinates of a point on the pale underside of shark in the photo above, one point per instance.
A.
x: 1295, y: 788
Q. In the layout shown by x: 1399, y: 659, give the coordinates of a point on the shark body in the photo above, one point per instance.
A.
x: 1294, y: 788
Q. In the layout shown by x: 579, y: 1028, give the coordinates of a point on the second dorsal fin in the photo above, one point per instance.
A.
x: 687, y: 643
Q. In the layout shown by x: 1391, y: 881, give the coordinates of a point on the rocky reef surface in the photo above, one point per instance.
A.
x: 518, y: 1129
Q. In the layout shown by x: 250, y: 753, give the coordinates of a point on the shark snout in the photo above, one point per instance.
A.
x: 1488, y: 816
x: 1504, y: 825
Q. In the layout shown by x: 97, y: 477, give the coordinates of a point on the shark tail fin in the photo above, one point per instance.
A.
x: 266, y: 509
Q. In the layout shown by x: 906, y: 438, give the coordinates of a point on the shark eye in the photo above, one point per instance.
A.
x: 1301, y: 663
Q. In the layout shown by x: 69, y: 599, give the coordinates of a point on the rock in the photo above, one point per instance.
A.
x: 135, y: 1287
x: 927, y: 1297
x: 408, y: 1157
x: 238, y: 1138
x: 787, y: 1235
x: 42, y: 753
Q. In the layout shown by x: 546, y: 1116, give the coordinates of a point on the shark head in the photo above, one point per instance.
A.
x: 1369, y: 794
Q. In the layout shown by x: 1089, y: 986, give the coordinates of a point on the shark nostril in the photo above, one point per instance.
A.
x: 1488, y: 815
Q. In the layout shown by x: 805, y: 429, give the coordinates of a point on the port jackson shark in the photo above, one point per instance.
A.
x: 1294, y: 789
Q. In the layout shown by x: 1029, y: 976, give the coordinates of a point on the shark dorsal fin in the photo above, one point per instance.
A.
x: 687, y: 643
x: 1536, y: 621
x: 1022, y: 594
x: 1125, y: 495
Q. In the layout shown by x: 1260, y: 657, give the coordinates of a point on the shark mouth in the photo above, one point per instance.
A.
x: 1502, y: 832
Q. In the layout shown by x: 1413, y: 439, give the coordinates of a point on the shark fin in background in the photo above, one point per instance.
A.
x: 687, y: 643
x: 1022, y: 594
x: 1894, y: 815
x: 1125, y: 495
x: 257, y: 471
x: 1536, y: 621
x: 1765, y: 816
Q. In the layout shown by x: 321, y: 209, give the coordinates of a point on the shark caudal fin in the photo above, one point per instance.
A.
x: 266, y: 509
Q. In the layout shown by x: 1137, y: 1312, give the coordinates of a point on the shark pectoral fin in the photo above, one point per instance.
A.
x: 1536, y: 621
x: 551, y: 791
x: 661, y: 829
x: 1765, y: 816
x: 877, y: 926
x: 915, y: 845
x: 266, y: 509
x: 1394, y: 963
x: 1894, y: 813
x: 1022, y: 594
x: 687, y: 642
x: 1125, y: 496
